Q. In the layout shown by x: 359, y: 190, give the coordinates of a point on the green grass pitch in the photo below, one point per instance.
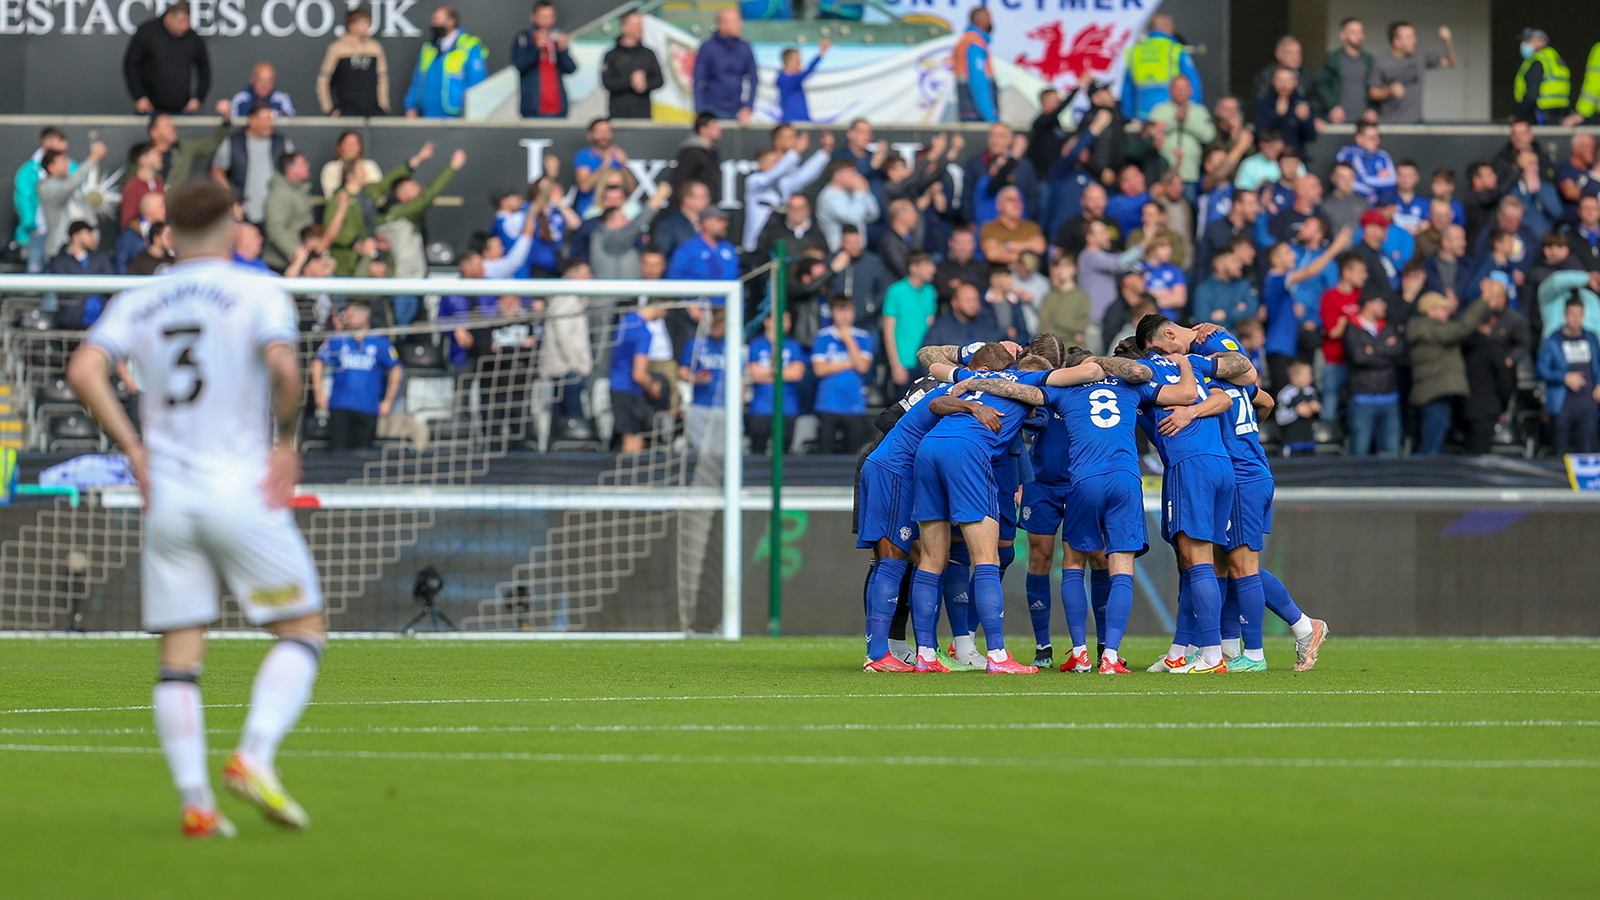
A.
x: 772, y: 768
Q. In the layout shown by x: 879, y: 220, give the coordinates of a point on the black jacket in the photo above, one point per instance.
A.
x: 1490, y: 381
x: 697, y: 162
x: 616, y: 74
x: 865, y: 280
x: 159, y: 66
x: 974, y: 272
x: 1374, y: 360
x: 1045, y: 140
x: 525, y: 55
x: 1588, y: 257
x: 778, y: 230
x: 1378, y: 284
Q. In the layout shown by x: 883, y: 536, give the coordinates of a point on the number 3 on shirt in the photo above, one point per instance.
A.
x: 184, y: 380
x: 1244, y: 420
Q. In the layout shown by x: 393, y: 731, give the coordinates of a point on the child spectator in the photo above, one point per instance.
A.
x: 1252, y: 338
x: 1064, y: 311
x: 758, y: 413
x: 1162, y: 278
x: 1296, y: 413
x: 366, y: 379
x: 1006, y: 304
x: 840, y: 357
x: 1444, y: 188
x: 703, y: 365
x: 791, y: 83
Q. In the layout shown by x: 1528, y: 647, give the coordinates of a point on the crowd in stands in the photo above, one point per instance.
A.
x: 1385, y: 312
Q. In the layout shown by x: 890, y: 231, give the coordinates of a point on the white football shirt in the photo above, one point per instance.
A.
x: 196, y: 336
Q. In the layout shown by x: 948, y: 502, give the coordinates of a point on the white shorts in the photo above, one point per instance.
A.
x: 190, y: 551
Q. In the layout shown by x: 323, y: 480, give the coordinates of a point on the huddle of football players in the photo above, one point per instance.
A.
x: 938, y: 500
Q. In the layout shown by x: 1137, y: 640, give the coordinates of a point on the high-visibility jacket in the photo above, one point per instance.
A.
x: 1154, y: 61
x: 1589, y: 95
x: 1554, y: 88
x: 439, y: 84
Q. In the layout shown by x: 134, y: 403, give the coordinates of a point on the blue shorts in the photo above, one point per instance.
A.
x: 1106, y: 512
x: 1197, y: 499
x: 1006, y: 504
x: 954, y: 482
x: 885, y: 508
x: 1042, y: 506
x: 1252, y: 514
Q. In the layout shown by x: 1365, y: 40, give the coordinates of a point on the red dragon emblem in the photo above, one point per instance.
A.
x: 1093, y: 50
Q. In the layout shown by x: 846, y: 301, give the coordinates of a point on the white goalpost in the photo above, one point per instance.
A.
x: 594, y: 539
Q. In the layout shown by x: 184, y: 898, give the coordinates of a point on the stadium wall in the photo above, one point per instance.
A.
x: 506, y: 155
x: 1484, y: 562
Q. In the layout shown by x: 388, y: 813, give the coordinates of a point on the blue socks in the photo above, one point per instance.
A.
x: 1230, y: 611
x: 1039, y: 607
x: 1119, y: 605
x: 1252, y: 608
x: 1075, y: 603
x: 883, y: 595
x: 957, y: 586
x: 1278, y: 599
x: 924, y: 609
x: 1183, y: 634
x: 1206, y: 596
x: 1008, y: 555
x: 1099, y: 595
x: 991, y: 604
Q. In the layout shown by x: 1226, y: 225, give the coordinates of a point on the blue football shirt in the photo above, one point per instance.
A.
x: 632, y: 339
x: 898, y: 449
x: 360, y: 370
x: 842, y: 392
x: 1099, y: 420
x: 706, y: 354
x: 761, y: 394
x: 1203, y: 437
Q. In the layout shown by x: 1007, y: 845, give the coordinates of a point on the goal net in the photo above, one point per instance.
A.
x: 495, y: 490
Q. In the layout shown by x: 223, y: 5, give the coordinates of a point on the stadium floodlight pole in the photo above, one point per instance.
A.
x: 779, y: 282
x: 732, y: 293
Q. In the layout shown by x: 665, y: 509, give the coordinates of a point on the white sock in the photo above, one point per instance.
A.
x: 1038, y: 646
x: 965, y: 646
x: 282, y: 689
x: 1257, y: 655
x: 1211, y: 655
x: 1110, y: 655
x: 1191, y: 651
x: 1177, y: 651
x: 999, y: 655
x: 1232, y: 646
x: 927, y: 654
x: 1302, y: 629
x: 1079, y: 648
x: 898, y: 649
x: 181, y: 723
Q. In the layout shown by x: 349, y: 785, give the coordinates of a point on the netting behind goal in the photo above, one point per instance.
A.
x: 495, y: 467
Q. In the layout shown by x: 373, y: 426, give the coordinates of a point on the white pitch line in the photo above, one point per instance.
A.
x: 1068, y: 762
x: 901, y: 696
x: 842, y: 726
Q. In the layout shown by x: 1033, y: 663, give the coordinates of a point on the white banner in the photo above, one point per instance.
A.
x: 1060, y: 42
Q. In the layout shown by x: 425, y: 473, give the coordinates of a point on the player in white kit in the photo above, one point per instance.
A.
x: 214, y: 346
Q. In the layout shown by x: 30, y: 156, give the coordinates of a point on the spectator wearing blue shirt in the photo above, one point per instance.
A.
x: 1541, y: 204
x: 1227, y: 296
x: 841, y: 357
x: 262, y: 91
x: 1509, y: 217
x: 247, y: 244
x: 1126, y: 208
x: 725, y: 75
x: 366, y: 379
x: 588, y: 162
x: 703, y: 365
x: 636, y: 395
x: 1292, y: 297
x: 1375, y: 170
x: 1498, y: 261
x: 762, y: 372
x: 1576, y: 178
x: 1411, y: 210
x: 791, y: 83
x: 1443, y: 187
x: 1163, y: 280
x: 1000, y: 164
x: 1569, y: 365
x: 708, y: 256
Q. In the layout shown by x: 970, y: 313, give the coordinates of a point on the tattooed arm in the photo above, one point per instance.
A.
x: 1235, y: 368
x: 949, y: 354
x: 1083, y: 373
x: 1000, y: 387
x: 948, y: 405
x: 1130, y: 370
